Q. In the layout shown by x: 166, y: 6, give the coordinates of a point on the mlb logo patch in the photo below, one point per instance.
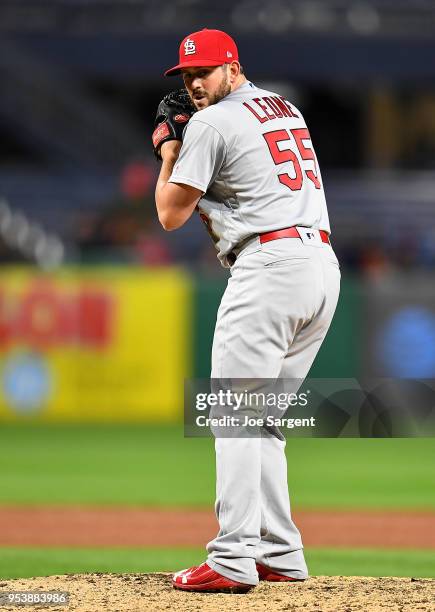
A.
x: 310, y: 236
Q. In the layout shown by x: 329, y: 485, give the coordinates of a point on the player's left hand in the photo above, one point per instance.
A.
x: 173, y: 113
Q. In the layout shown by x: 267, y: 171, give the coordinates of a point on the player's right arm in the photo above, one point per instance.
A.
x: 187, y: 171
x: 175, y: 202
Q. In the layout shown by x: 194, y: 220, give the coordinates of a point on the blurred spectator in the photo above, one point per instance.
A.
x: 127, y: 230
x: 137, y: 180
x: 374, y: 262
x: 151, y: 248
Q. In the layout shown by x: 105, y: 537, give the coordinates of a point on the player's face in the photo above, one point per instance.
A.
x: 207, y: 85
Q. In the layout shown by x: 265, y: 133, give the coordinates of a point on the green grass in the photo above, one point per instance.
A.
x: 104, y: 465
x: 27, y: 562
x: 156, y: 465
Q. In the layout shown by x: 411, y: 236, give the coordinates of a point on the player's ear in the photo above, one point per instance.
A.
x: 234, y: 71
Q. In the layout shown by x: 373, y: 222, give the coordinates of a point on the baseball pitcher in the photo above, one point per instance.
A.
x: 243, y: 157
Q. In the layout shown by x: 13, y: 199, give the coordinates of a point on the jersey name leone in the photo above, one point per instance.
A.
x: 270, y: 107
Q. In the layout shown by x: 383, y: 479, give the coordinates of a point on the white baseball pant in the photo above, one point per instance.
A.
x: 273, y: 317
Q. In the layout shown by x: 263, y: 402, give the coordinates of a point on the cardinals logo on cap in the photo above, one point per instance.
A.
x: 189, y: 47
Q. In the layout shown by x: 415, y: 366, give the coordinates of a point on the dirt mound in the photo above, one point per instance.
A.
x: 153, y: 592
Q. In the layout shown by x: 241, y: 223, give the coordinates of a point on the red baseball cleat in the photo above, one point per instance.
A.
x: 264, y: 573
x: 203, y: 578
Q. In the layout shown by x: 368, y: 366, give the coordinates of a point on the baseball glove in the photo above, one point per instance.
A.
x: 173, y: 113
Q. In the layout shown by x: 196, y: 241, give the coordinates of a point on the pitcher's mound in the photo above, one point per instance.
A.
x: 153, y: 592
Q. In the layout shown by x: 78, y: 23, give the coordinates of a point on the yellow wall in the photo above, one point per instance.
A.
x: 105, y: 344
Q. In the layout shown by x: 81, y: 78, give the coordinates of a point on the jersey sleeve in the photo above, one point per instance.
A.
x: 201, y: 156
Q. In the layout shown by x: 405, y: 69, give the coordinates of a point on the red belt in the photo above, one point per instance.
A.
x: 290, y: 232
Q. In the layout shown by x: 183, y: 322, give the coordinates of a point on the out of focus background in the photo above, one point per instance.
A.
x: 103, y: 314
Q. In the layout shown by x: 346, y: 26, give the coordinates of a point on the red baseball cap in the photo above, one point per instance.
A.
x: 205, y: 48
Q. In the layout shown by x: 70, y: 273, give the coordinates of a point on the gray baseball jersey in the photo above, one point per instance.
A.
x: 252, y: 157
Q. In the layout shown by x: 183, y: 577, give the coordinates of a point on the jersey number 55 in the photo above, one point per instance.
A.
x: 287, y: 155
